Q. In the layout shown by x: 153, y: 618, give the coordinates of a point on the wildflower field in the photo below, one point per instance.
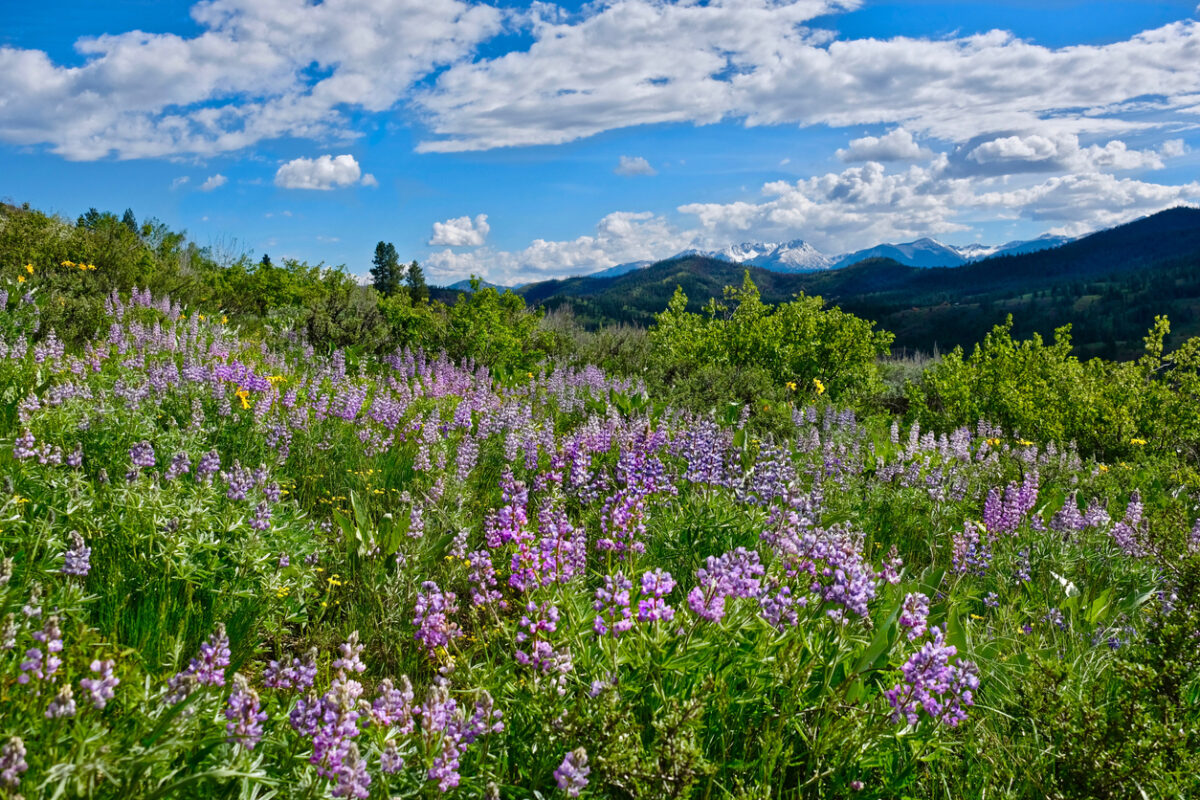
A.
x: 232, y: 566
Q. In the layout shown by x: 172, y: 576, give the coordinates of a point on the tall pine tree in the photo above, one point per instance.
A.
x: 386, y: 272
x: 417, y: 288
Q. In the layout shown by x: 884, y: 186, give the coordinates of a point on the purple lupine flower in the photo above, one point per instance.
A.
x: 507, y: 522
x: 434, y: 627
x: 210, y: 464
x: 931, y: 682
x: 655, y: 586
x: 537, y: 621
x: 25, y: 446
x: 32, y: 666
x: 77, y: 560
x: 735, y: 574
x: 991, y: 600
x: 445, y: 724
x: 350, y: 776
x: 295, y: 674
x: 1068, y: 519
x: 572, y: 773
x: 206, y: 669
x: 284, y: 561
x: 245, y: 717
x: 914, y: 615
x: 390, y: 760
x: 101, y: 687
x: 612, y: 601
x: 262, y: 517
x: 394, y: 706
x: 239, y: 481
x: 75, y: 459
x: 1055, y: 617
x: 1130, y: 533
x: 1024, y: 568
x: 12, y: 762
x: 63, y: 704
x: 971, y: 551
x: 180, y: 465
x: 349, y: 655
x: 142, y: 455
x: 482, y: 578
x: 778, y: 607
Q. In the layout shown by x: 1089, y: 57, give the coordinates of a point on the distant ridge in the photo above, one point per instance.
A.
x: 800, y: 256
x: 1108, y: 285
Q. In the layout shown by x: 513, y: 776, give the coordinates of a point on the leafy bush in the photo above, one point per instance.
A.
x: 801, y: 343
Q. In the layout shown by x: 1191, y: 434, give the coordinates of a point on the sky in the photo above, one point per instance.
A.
x: 525, y: 141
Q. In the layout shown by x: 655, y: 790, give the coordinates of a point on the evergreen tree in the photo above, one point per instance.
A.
x: 417, y: 288
x: 386, y: 272
x: 129, y: 220
x: 266, y: 260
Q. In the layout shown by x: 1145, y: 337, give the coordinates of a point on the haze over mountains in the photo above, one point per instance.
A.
x: 797, y: 255
x: 1108, y: 285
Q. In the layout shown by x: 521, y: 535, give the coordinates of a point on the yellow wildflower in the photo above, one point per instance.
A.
x: 1102, y: 467
x: 244, y: 396
x: 791, y: 385
x: 1024, y: 442
x: 1137, y: 441
x: 29, y: 268
x: 820, y: 387
x: 20, y: 279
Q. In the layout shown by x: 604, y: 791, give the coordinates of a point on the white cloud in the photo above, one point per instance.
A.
x: 865, y: 205
x: 461, y: 232
x: 180, y: 181
x: 895, y: 145
x: 616, y: 65
x: 634, y: 165
x: 213, y: 182
x: 369, y: 180
x: 322, y: 173
x: 619, y: 238
x: 258, y: 69
x: 1062, y: 152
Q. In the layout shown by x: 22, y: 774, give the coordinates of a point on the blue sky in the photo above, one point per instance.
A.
x: 526, y: 141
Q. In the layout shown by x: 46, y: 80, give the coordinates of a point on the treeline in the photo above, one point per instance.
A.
x: 751, y: 349
x: 1108, y: 286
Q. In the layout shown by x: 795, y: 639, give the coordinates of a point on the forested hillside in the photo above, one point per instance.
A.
x: 1109, y: 286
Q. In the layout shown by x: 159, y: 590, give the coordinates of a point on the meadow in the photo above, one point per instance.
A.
x: 238, y: 562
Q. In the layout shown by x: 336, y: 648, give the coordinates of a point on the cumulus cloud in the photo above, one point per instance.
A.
x: 461, y: 232
x: 322, y: 173
x: 895, y: 145
x: 256, y: 70
x: 634, y: 165
x: 213, y: 182
x: 864, y: 205
x: 180, y: 181
x: 837, y: 212
x: 620, y: 237
x: 1062, y: 152
x: 616, y: 65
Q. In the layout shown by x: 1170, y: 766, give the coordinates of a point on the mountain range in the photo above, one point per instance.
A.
x: 1109, y: 285
x: 800, y: 256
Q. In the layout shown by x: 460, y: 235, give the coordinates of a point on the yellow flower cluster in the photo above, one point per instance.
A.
x: 80, y: 266
x: 244, y: 396
x: 1137, y: 441
x: 820, y: 387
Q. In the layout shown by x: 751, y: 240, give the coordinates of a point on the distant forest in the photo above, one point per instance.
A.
x: 1108, y: 286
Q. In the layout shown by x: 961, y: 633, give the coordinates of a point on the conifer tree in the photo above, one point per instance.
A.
x: 386, y: 272
x: 417, y: 288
